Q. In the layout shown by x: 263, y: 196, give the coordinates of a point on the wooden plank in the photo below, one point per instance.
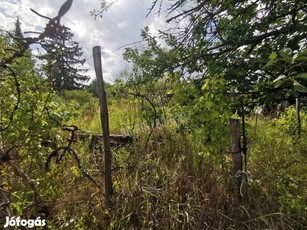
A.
x: 115, y: 139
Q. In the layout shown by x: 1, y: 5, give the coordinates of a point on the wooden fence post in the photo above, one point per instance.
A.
x: 237, y: 163
x: 104, y: 117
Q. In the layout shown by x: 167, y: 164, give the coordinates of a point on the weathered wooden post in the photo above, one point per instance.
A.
x: 104, y: 117
x: 237, y: 163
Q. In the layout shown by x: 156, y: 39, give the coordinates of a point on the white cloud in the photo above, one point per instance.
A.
x: 119, y: 26
x: 3, y: 19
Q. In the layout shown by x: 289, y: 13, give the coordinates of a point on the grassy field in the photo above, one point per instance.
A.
x: 168, y: 178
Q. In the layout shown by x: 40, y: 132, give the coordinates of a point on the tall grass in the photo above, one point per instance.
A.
x: 169, y: 182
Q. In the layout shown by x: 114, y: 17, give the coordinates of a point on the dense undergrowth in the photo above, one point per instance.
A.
x: 168, y: 178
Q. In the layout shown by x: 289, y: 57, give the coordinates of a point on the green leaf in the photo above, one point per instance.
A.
x: 302, y: 76
x: 209, y: 104
x: 299, y: 87
x: 280, y: 80
x: 270, y: 63
x: 285, y: 53
x: 280, y: 77
x: 273, y: 56
x: 170, y: 91
x: 206, y: 85
x: 295, y: 56
x: 278, y: 84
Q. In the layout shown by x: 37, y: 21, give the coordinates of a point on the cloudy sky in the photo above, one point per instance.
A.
x: 120, y: 25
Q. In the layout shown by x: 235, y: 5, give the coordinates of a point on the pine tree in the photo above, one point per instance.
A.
x: 63, y: 59
x: 25, y: 62
x: 17, y: 34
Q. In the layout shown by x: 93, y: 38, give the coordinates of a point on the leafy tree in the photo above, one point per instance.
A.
x: 110, y: 89
x: 152, y: 76
x: 17, y: 42
x: 236, y: 39
x: 30, y: 114
x: 228, y: 55
x: 151, y: 93
x: 63, y: 59
x: 92, y: 88
x: 197, y: 104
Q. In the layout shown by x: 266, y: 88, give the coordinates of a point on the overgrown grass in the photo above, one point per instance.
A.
x: 169, y: 183
x: 170, y: 180
x: 123, y: 114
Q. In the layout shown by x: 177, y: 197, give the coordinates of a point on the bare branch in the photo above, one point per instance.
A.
x: 104, y: 7
x: 43, y: 16
x: 17, y: 85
